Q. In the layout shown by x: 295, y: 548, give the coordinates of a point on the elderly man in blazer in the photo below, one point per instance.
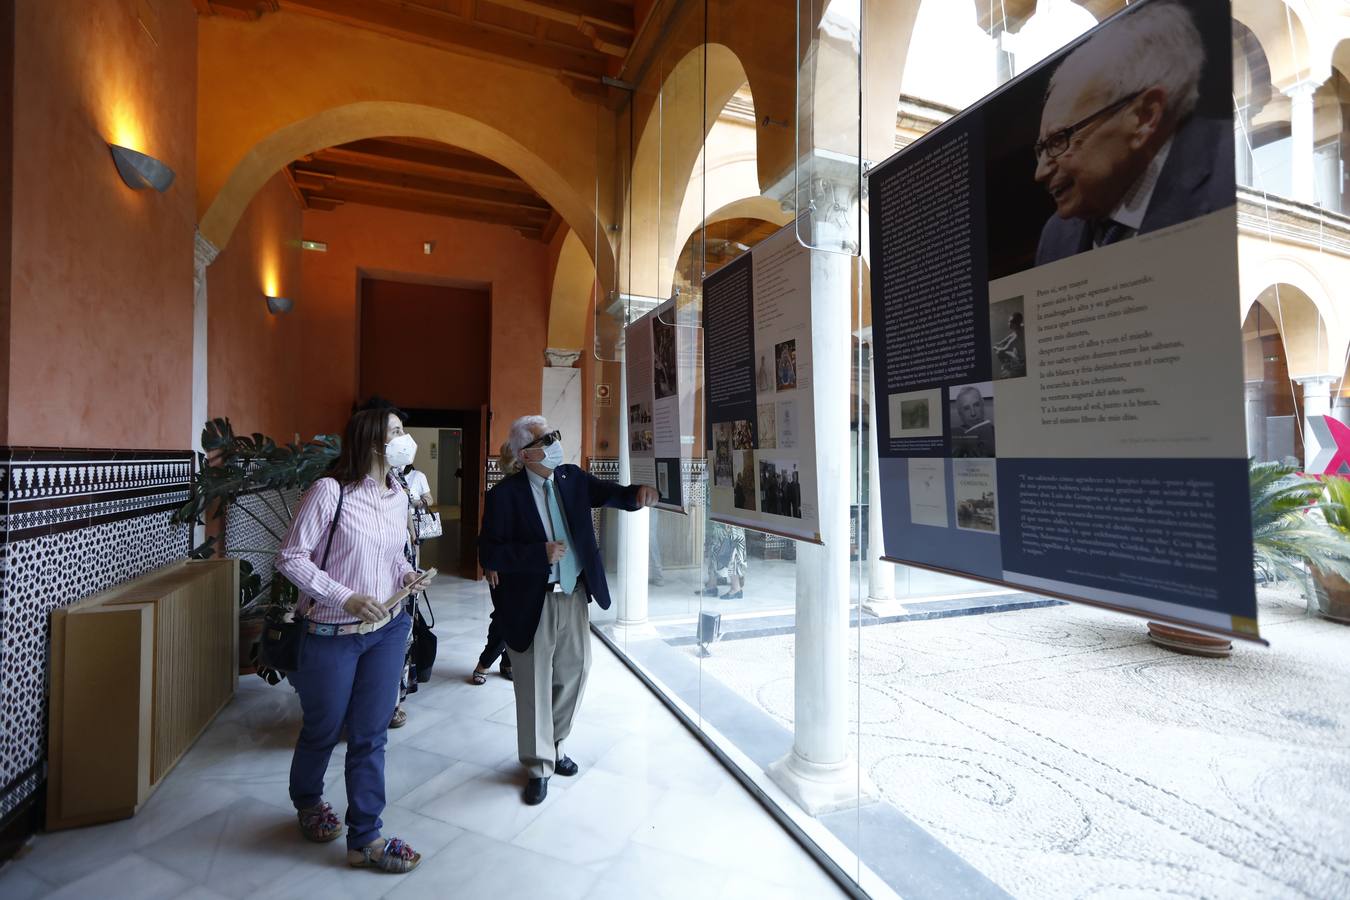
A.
x: 1121, y: 151
x: 539, y: 549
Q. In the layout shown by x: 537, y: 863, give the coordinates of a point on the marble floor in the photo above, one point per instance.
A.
x: 652, y: 814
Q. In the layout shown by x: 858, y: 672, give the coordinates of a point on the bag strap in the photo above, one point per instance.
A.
x: 430, y: 613
x: 328, y: 547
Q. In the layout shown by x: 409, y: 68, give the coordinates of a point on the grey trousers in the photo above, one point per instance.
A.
x: 550, y: 678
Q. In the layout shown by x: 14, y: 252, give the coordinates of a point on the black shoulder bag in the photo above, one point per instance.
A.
x: 282, y: 638
x: 424, y: 641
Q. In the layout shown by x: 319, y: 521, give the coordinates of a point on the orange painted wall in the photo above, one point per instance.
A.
x: 387, y: 244
x: 6, y: 201
x: 425, y: 346
x: 100, y: 344
x: 253, y: 358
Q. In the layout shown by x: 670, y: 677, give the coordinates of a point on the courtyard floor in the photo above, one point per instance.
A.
x: 1062, y: 754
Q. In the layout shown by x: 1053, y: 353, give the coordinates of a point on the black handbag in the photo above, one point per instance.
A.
x: 283, y: 638
x: 424, y: 642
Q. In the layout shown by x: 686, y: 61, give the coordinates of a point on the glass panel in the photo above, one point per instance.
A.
x: 828, y: 174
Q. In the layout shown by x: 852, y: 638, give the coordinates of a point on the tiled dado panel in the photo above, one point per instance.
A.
x: 72, y: 523
x: 255, y: 526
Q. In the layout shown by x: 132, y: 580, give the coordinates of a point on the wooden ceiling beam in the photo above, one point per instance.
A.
x: 447, y: 31
x: 611, y: 16
x: 419, y: 185
x: 461, y: 169
x: 247, y: 10
x: 429, y: 207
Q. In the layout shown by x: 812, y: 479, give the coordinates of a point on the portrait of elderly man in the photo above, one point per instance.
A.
x: 972, y: 432
x: 1121, y: 149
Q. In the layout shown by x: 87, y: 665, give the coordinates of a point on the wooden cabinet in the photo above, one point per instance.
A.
x: 137, y: 673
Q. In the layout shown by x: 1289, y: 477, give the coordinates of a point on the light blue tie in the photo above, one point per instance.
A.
x: 567, y: 568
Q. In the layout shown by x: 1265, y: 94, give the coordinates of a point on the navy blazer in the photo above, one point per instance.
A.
x: 1196, y: 179
x: 511, y: 543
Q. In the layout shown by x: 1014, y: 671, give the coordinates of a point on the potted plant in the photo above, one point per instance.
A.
x: 1287, y: 541
x: 1331, y: 589
x: 234, y: 466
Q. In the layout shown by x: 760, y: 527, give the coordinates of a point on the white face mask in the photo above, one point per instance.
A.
x: 400, y: 451
x: 553, y: 455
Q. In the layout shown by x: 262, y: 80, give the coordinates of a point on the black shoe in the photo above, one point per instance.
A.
x: 535, y: 791
x: 707, y: 592
x: 565, y: 767
x: 739, y: 595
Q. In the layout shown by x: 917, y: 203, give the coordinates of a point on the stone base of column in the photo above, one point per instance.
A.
x: 820, y: 789
x: 883, y: 607
x: 626, y: 632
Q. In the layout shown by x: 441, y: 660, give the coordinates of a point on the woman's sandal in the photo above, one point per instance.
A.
x: 400, y: 718
x: 478, y: 677
x: 392, y: 855
x: 506, y: 670
x: 319, y: 823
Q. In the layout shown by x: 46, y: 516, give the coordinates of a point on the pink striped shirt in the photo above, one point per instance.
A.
x: 367, y: 556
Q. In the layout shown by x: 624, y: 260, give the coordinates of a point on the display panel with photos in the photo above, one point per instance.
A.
x: 656, y: 417
x: 1054, y: 273
x: 759, y: 392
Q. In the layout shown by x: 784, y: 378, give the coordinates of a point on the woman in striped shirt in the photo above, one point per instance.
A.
x: 345, y: 552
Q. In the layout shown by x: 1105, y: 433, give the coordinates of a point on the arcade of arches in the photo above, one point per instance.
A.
x: 464, y: 201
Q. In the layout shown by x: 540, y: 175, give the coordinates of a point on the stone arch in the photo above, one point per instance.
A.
x: 942, y: 62
x: 667, y: 149
x: 369, y: 119
x: 1307, y: 337
x: 1280, y: 28
x: 573, y: 288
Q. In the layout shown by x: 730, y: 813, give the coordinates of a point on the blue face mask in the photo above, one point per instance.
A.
x: 553, y: 455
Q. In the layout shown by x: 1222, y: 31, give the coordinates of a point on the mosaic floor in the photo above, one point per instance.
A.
x: 1063, y: 755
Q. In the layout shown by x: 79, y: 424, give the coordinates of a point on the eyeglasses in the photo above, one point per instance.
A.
x: 1054, y: 145
x: 544, y: 440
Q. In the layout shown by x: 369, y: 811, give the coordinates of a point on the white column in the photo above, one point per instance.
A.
x: 1316, y: 403
x: 561, y: 399
x: 881, y: 599
x: 631, y: 587
x: 1254, y: 393
x: 203, y: 254
x: 820, y: 773
x: 1301, y: 134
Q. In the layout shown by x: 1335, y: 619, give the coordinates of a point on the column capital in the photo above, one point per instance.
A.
x: 1302, y: 88
x: 203, y: 254
x: 561, y: 357
x: 1322, y: 380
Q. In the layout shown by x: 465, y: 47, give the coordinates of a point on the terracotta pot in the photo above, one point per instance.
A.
x: 250, y: 632
x: 1332, y: 593
x: 1185, y: 641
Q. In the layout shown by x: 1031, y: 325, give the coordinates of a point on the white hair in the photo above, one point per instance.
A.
x: 1156, y: 46
x: 522, y: 433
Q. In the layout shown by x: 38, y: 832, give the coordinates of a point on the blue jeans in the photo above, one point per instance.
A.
x: 348, y: 680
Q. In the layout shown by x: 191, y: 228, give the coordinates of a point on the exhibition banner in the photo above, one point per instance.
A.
x: 1057, y: 344
x: 758, y: 390
x: 655, y: 419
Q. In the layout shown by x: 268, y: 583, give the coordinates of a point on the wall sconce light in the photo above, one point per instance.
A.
x: 140, y: 171
x: 279, y: 305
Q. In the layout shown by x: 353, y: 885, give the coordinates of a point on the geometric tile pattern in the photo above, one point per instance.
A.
x: 251, y: 524
x: 74, y: 522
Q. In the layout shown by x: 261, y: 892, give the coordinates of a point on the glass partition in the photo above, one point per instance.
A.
x: 994, y: 741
